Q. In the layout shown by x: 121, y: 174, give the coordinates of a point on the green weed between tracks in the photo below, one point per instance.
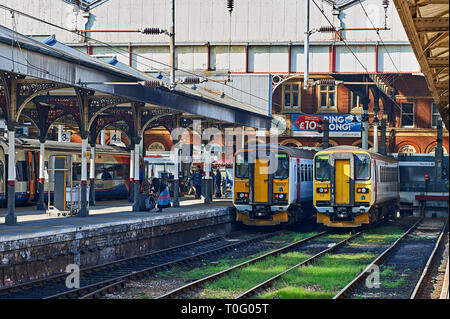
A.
x: 213, y: 267
x: 323, y: 279
x: 390, y: 278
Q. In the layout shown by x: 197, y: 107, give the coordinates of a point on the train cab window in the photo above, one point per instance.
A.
x: 242, y: 165
x: 322, y: 167
x: 283, y: 166
x: 21, y: 171
x: 362, y: 167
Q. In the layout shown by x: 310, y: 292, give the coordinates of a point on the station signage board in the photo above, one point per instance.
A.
x: 340, y: 125
x: 65, y: 136
x: 115, y: 138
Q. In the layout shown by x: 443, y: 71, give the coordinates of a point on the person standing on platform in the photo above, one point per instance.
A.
x: 191, y: 183
x: 164, y: 196
x: 218, y: 183
x: 197, y: 181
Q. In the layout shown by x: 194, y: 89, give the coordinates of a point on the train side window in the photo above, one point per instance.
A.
x: 2, y: 171
x: 21, y: 171
x: 303, y: 172
x: 309, y: 173
x: 108, y: 172
x: 76, y: 171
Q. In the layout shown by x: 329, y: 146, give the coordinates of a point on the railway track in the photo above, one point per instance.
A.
x: 99, y: 279
x: 267, y: 283
x: 351, y: 290
x: 193, y: 285
x: 418, y: 290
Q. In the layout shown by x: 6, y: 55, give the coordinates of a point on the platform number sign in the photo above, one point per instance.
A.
x: 116, y: 138
x: 65, y: 136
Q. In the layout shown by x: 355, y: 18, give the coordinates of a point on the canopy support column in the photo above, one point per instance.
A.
x: 136, y: 178
x: 92, y: 176
x: 131, y: 188
x: 11, y: 218
x: 40, y: 204
x: 84, y: 212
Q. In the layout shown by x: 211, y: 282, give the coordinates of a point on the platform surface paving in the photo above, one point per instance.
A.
x: 33, y: 223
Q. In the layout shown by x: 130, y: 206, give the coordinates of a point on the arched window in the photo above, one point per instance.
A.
x: 407, y: 149
x: 433, y: 149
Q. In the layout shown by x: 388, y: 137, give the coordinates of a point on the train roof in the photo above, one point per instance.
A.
x: 293, y: 151
x: 349, y: 148
x: 60, y: 146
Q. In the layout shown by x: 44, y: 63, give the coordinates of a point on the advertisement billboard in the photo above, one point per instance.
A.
x: 341, y: 125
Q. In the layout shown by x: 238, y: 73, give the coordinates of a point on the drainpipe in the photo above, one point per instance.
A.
x: 383, y: 148
x: 306, y: 49
x: 365, y: 124
x: 438, y: 153
x: 376, y: 110
x: 172, y: 48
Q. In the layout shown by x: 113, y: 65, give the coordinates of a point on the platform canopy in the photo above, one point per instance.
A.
x: 51, y: 61
x: 426, y: 23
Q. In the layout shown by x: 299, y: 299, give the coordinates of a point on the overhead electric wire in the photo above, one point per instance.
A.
x: 385, y: 48
x: 119, y: 51
x: 353, y: 53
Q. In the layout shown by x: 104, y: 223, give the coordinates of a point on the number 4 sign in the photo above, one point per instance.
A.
x: 115, y: 138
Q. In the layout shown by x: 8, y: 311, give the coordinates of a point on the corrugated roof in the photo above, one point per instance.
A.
x: 111, y: 62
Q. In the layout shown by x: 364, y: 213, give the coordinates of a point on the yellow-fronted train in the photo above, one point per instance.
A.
x: 275, y: 187
x: 354, y: 186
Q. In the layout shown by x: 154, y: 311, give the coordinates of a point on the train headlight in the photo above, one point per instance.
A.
x: 362, y: 190
x: 322, y: 189
x: 242, y: 195
x: 280, y: 196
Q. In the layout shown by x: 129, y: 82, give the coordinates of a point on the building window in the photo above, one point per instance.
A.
x: 291, y: 96
x: 435, y: 115
x: 327, y: 97
x: 355, y: 104
x: 407, y: 149
x: 407, y: 114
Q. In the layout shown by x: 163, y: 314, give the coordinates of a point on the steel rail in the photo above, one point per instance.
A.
x: 444, y: 290
x: 36, y: 282
x: 358, y: 279
x: 192, y: 285
x: 255, y: 289
x: 102, y: 290
x: 427, y: 268
x: 110, y: 283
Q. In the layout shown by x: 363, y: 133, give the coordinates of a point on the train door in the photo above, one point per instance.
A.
x: 261, y: 180
x: 342, y: 181
x: 32, y: 178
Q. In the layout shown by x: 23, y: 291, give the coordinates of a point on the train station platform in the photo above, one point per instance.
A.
x: 40, y: 245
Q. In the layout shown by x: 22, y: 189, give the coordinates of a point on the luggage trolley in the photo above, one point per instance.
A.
x: 66, y: 194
